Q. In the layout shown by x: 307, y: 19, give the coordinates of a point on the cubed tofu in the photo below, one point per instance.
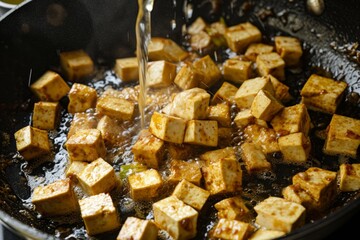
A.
x: 46, y: 115
x: 349, y: 177
x: 271, y: 63
x: 86, y: 145
x: 111, y: 131
x: 343, y: 136
x: 255, y: 160
x: 201, y: 42
x: 81, y: 98
x: 185, y: 170
x: 97, y: 177
x: 160, y: 74
x: 115, y: 107
x: 237, y: 71
x: 264, y: 138
x: 322, y: 94
x: 76, y: 64
x: 296, y: 194
x: 175, y: 217
x: 209, y: 69
x: 240, y: 36
x: 139, y: 229
x: 201, y: 132
x: 197, y: 26
x: 50, y: 87
x: 244, y: 118
x: 292, y: 119
x: 276, y: 213
x: 289, y: 49
x: 246, y: 93
x: 281, y: 91
x: 190, y: 104
x: 145, y: 185
x: 99, y: 214
x: 167, y: 128
x: 32, y: 142
x: 222, y: 176
x: 232, y: 208
x: 320, y: 183
x: 82, y: 121
x: 220, y: 113
x: 232, y: 230
x: 255, y: 49
x: 224, y: 136
x: 191, y: 194
x: 74, y: 168
x: 226, y: 93
x: 165, y: 49
x: 127, y: 69
x: 188, y: 77
x: 295, y: 147
x: 215, y: 155
x: 55, y: 199
x: 265, y: 234
x: 265, y: 106
x: 148, y: 150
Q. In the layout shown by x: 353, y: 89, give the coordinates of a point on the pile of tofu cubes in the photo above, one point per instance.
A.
x: 192, y: 136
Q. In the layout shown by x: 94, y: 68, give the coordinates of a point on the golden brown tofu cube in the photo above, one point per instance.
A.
x: 289, y: 48
x: 265, y: 234
x: 349, y: 177
x: 255, y: 49
x: 86, y: 145
x: 46, y: 115
x: 97, y: 177
x: 224, y: 136
x: 145, y: 185
x: 188, y: 170
x: 265, y: 106
x: 232, y: 208
x: 216, y: 155
x: 255, y: 160
x: 32, y: 142
x: 118, y: 108
x: 165, y: 49
x: 222, y: 229
x: 127, y: 69
x: 76, y: 65
x: 240, y: 36
x: 292, y: 119
x: 222, y: 176
x: 99, y: 214
x: 281, y: 91
x: 220, y: 113
x: 271, y: 63
x: 55, y: 199
x: 264, y: 138
x: 237, y: 71
x: 226, y: 93
x: 197, y: 26
x: 139, y: 229
x: 188, y: 77
x: 295, y: 147
x: 111, y: 131
x: 191, y: 194
x: 319, y: 183
x: 50, y: 87
x: 343, y: 136
x: 248, y: 90
x: 201, y: 132
x: 322, y: 94
x: 148, y: 150
x: 201, y: 42
x: 276, y: 213
x: 160, y: 74
x: 73, y: 170
x: 209, y: 69
x: 81, y: 98
x: 82, y: 121
x: 167, y: 128
x: 296, y: 194
x: 170, y: 214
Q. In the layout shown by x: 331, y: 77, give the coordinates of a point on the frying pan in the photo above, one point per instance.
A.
x: 33, y: 34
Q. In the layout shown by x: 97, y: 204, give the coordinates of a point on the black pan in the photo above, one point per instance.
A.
x: 32, y: 35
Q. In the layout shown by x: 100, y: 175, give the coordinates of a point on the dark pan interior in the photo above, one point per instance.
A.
x: 32, y: 36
